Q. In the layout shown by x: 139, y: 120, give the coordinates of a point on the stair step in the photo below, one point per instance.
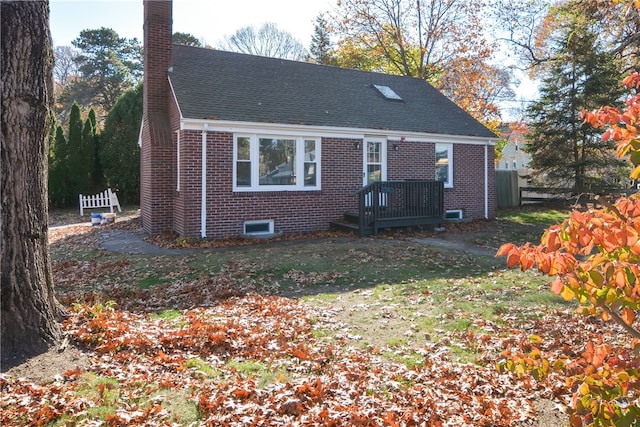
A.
x: 352, y: 217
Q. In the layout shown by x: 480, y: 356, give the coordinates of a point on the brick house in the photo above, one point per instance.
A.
x: 236, y: 144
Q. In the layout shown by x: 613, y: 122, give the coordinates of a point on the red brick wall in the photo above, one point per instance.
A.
x: 413, y: 160
x: 292, y: 211
x: 469, y: 182
x: 305, y: 211
x: 157, y: 169
x: 416, y: 160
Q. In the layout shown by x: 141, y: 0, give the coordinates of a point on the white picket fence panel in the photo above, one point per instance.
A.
x: 106, y: 199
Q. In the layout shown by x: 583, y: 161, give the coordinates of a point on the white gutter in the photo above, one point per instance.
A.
x: 327, y: 131
x: 203, y: 197
x: 486, y: 181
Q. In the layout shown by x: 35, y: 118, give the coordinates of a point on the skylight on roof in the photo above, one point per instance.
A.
x: 387, y: 92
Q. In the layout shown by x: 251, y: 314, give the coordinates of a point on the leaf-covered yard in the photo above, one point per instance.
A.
x: 330, y: 330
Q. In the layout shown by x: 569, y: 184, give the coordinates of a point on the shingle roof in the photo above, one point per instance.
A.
x: 213, y: 84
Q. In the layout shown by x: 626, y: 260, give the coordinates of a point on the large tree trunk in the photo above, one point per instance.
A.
x: 29, y: 308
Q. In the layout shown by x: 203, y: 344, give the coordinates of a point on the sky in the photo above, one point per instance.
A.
x: 210, y: 20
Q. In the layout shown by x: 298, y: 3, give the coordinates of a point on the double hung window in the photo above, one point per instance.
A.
x: 276, y: 163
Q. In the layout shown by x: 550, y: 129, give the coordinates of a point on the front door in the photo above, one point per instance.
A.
x: 374, y: 164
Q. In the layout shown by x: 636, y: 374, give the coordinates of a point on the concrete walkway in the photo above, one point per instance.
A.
x: 132, y: 242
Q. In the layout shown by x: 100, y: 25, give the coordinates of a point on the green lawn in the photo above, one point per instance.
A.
x: 297, y: 331
x: 416, y: 290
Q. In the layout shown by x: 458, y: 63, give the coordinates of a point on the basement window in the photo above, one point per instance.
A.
x: 454, y: 214
x: 256, y: 228
x: 387, y: 92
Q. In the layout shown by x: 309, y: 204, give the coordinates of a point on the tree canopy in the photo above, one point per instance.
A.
x: 594, y: 256
x: 186, y: 39
x: 582, y: 74
x: 120, y: 153
x: 321, y: 50
x: 441, y: 41
x: 267, y: 41
x: 74, y: 165
x: 106, y: 64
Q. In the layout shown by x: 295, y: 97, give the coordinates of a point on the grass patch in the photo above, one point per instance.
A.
x: 202, y: 368
x: 397, y: 342
x: 102, y: 391
x: 258, y: 370
x: 148, y: 282
x: 106, y: 395
x: 168, y: 314
x: 410, y: 359
x: 322, y: 333
x: 462, y: 354
x: 539, y: 217
x: 246, y: 367
x: 179, y: 403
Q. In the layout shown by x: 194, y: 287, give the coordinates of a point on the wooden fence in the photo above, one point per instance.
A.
x: 547, y: 194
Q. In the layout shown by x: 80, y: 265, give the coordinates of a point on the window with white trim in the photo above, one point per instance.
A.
x: 270, y: 163
x: 255, y: 228
x: 444, y: 164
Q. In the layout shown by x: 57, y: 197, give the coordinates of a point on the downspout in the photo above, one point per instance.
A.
x: 486, y: 181
x: 203, y: 197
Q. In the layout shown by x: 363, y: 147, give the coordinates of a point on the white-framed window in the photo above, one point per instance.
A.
x: 260, y: 227
x: 276, y: 163
x: 444, y: 164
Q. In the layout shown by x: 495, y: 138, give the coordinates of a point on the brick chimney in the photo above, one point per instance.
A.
x: 158, y: 151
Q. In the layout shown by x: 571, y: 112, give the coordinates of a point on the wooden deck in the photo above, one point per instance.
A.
x: 389, y: 204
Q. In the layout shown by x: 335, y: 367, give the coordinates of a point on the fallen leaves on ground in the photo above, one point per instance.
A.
x: 245, y: 359
x: 173, y: 241
x: 316, y: 382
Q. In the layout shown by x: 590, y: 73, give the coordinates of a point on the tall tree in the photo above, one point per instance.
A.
x: 523, y: 28
x: 65, y: 68
x: 267, y: 41
x: 441, y: 41
x: 108, y: 65
x: 75, y: 166
x: 77, y: 162
x: 90, y: 147
x: 320, y: 49
x: 414, y: 36
x: 59, y: 194
x: 65, y: 72
x: 618, y: 25
x: 529, y: 27
x: 29, y: 308
x: 120, y: 153
x: 582, y: 75
x: 186, y: 39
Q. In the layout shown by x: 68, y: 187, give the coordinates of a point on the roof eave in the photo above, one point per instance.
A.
x: 328, y: 131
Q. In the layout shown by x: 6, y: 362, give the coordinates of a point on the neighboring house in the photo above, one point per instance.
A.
x: 514, y: 156
x: 237, y: 144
